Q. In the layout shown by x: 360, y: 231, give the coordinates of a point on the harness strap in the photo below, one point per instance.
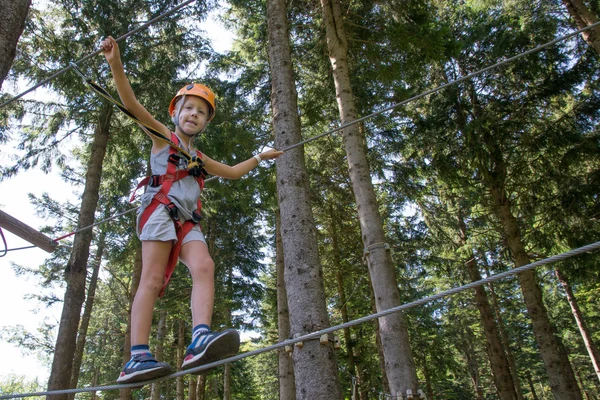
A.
x: 161, y: 197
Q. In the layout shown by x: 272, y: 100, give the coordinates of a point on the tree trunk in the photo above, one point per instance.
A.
x: 399, y: 363
x: 287, y: 386
x: 583, y: 329
x: 472, y: 363
x: 532, y: 387
x: 339, y: 276
x: 76, y: 271
x: 125, y: 394
x: 505, y: 341
x: 552, y: 351
x: 584, y: 17
x: 155, y: 393
x: 12, y: 22
x: 227, y: 395
x: 201, y: 387
x: 315, y: 369
x: 180, y: 352
x: 493, y: 170
x: 498, y: 362
x: 87, y: 313
x: 192, y: 387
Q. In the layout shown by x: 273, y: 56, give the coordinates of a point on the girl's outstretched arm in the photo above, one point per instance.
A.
x: 237, y: 171
x: 110, y: 48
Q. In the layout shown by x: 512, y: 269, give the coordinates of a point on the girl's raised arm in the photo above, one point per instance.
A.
x: 110, y: 48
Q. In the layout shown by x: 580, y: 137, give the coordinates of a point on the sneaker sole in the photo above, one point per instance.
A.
x: 224, y: 346
x: 145, y: 375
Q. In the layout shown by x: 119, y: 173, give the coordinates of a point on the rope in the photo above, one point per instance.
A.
x: 317, y: 334
x: 427, y: 93
x: 119, y: 39
x: 439, y: 88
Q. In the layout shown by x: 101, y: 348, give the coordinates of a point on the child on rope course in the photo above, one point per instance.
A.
x: 160, y: 228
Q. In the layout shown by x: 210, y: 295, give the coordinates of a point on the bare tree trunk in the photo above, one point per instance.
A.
x: 76, y: 271
x: 125, y: 394
x: 498, y: 362
x: 180, y: 352
x: 339, y: 276
x: 384, y: 379
x: 532, y: 387
x: 583, y: 329
x: 287, y: 386
x: 201, y: 387
x: 428, y: 386
x: 87, y: 313
x: 12, y: 22
x: 493, y: 170
x: 192, y: 388
x: 552, y: 351
x: 155, y: 393
x: 584, y: 17
x: 227, y: 395
x: 472, y: 363
x: 399, y: 363
x: 505, y: 340
x: 315, y: 369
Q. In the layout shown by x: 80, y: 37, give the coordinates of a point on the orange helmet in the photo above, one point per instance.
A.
x: 198, y: 90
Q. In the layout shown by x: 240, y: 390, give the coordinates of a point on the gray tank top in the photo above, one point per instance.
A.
x: 184, y: 193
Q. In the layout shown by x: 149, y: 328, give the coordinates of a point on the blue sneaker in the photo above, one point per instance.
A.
x: 209, y: 347
x: 143, y: 367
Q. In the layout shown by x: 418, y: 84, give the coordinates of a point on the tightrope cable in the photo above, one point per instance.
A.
x: 318, y: 334
x: 439, y: 88
x: 119, y: 39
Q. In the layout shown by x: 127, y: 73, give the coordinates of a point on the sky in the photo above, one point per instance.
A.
x: 16, y: 309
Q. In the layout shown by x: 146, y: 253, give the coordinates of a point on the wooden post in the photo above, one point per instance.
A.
x: 26, y: 232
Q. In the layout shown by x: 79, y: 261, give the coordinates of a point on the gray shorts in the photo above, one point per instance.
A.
x: 160, y: 227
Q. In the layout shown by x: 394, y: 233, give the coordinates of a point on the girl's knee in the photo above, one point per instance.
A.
x: 152, y: 281
x: 202, y: 267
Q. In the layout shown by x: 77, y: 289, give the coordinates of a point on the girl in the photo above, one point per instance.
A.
x: 161, y: 226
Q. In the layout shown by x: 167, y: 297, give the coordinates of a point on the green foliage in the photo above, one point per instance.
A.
x: 529, y: 127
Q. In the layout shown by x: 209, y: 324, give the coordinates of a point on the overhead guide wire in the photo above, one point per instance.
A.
x: 119, y: 39
x: 366, y: 117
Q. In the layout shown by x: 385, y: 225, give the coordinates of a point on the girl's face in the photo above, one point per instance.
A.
x: 193, y: 115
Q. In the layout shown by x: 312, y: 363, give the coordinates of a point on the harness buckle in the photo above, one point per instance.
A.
x: 174, y: 158
x: 173, y: 211
x: 196, y: 217
x: 196, y: 167
x: 154, y: 181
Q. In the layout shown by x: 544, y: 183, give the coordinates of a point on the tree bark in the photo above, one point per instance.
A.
x: 315, y: 369
x: 583, y: 17
x: 192, y: 388
x: 126, y: 394
x: 76, y: 271
x: 472, y: 363
x: 12, y: 22
x: 399, y: 363
x: 155, y: 393
x: 227, y: 394
x: 201, y: 387
x: 552, y: 351
x: 498, y: 362
x: 87, y: 313
x: 287, y: 386
x: 180, y: 352
x: 591, y: 347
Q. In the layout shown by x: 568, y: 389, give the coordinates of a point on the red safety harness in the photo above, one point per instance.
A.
x: 161, y: 198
